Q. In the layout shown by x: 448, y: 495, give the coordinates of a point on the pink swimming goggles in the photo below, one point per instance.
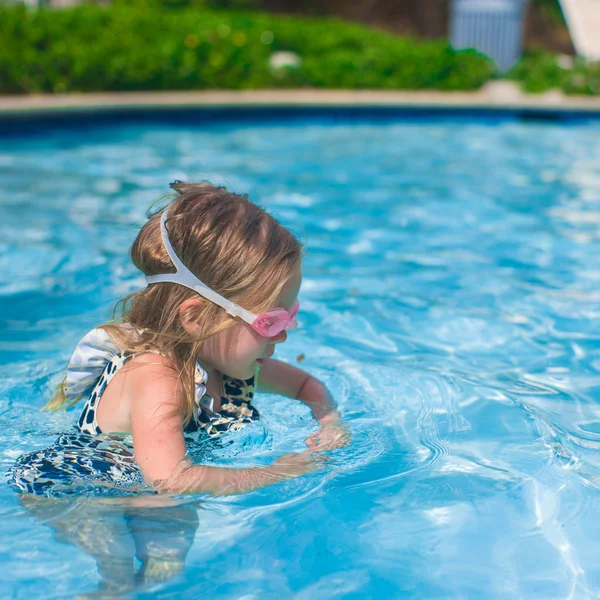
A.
x: 268, y: 324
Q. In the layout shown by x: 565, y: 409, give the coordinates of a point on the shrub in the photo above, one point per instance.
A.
x: 540, y: 71
x: 140, y: 45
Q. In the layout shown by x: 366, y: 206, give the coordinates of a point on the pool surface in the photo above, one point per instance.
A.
x: 451, y: 302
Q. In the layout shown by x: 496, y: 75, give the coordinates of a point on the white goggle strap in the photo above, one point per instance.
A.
x: 185, y: 277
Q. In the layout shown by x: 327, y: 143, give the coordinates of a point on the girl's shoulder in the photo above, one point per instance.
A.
x: 151, y: 371
x: 146, y: 386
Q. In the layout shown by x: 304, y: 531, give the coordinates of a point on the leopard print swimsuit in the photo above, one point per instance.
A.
x: 88, y: 455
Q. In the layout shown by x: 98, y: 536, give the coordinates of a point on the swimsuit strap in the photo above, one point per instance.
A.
x: 87, y: 421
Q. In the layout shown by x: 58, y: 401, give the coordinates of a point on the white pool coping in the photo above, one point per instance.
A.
x: 495, y: 95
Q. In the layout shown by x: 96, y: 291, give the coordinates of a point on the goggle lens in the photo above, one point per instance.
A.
x: 275, y: 321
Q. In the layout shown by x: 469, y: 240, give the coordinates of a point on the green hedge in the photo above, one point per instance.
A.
x: 540, y: 71
x: 140, y: 46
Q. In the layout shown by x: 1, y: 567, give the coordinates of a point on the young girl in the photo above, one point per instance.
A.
x: 223, y: 280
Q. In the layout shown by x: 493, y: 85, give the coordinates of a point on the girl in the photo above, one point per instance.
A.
x: 223, y: 280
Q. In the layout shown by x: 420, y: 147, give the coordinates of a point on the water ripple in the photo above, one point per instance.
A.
x: 450, y: 302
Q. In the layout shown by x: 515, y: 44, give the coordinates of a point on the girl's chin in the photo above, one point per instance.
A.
x: 252, y: 369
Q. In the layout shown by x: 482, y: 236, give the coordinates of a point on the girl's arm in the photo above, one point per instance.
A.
x: 189, y: 478
x: 155, y: 409
x: 277, y: 377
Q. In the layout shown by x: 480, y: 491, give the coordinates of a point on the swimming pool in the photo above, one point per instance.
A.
x: 456, y: 265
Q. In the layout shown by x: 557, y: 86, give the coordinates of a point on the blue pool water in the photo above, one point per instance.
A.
x: 451, y: 302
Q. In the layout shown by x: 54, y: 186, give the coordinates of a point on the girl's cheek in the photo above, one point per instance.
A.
x: 280, y: 337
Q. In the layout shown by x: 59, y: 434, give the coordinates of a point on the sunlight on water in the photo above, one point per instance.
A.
x: 451, y: 302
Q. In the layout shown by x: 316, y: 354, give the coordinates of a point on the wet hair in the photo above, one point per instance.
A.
x: 232, y: 245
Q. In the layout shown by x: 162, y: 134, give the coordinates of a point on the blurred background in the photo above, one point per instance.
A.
x: 57, y: 46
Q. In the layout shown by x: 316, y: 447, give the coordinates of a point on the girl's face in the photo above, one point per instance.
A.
x: 234, y: 352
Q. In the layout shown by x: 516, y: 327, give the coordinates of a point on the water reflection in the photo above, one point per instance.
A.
x: 137, y: 542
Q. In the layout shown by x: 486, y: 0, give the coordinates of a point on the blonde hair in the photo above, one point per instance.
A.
x: 229, y: 243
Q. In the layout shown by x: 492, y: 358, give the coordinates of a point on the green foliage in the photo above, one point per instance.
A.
x: 539, y: 71
x: 206, y: 4
x: 141, y: 45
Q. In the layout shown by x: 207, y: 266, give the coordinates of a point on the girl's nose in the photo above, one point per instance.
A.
x: 280, y: 337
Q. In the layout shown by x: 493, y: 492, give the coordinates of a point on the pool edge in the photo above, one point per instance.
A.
x: 490, y: 98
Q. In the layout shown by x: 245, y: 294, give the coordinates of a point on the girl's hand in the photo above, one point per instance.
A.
x: 332, y: 434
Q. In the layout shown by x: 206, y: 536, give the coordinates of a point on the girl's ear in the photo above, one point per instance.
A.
x: 188, y: 315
